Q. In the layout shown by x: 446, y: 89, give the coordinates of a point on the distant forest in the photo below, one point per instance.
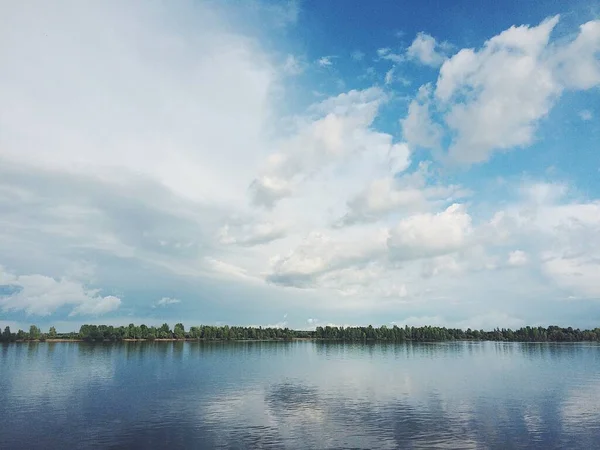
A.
x: 108, y: 333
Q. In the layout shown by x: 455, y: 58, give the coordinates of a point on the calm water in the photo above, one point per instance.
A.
x: 299, y: 395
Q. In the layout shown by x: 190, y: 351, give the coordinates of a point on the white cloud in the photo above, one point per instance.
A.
x: 341, y: 128
x: 42, y: 295
x: 577, y: 63
x: 370, y: 285
x: 166, y: 301
x: 268, y: 190
x: 426, y: 235
x: 325, y: 61
x: 492, y: 99
x: 585, y: 115
x: 389, y: 76
x: 418, y: 128
x: 179, y: 88
x: 543, y: 193
x: 96, y: 308
x: 392, y: 77
x: 387, y: 54
x: 406, y: 194
x: 517, y: 258
x: 139, y: 159
x: 162, y: 133
x: 319, y: 254
x: 562, y: 232
x: 501, y: 107
x: 399, y: 157
x: 576, y: 274
x: 426, y: 50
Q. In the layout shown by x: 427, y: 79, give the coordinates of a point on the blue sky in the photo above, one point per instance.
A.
x: 300, y: 164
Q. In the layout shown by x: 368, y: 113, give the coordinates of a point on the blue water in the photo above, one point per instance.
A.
x: 299, y: 395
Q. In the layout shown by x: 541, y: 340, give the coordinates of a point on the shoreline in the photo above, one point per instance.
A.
x: 368, y: 334
x: 366, y: 341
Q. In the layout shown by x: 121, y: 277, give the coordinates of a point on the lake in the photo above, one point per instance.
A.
x: 297, y: 395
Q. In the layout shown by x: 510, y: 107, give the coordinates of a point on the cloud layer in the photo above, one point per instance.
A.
x: 182, y: 155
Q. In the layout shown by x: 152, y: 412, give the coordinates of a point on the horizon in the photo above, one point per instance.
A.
x: 396, y: 334
x: 300, y: 164
x: 279, y: 327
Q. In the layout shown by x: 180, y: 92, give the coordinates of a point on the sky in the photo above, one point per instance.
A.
x: 301, y: 163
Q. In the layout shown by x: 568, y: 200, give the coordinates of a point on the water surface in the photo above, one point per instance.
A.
x: 299, y: 395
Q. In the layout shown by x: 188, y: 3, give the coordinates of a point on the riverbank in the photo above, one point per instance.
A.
x: 365, y: 341
x: 23, y: 341
x: 164, y: 333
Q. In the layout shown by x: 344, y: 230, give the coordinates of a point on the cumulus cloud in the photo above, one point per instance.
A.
x: 386, y: 53
x: 178, y: 158
x: 426, y: 50
x: 540, y: 193
x: 319, y: 254
x: 501, y: 107
x: 562, y: 232
x: 409, y: 193
x: 128, y: 166
x: 268, y: 190
x: 103, y: 306
x: 179, y: 86
x: 517, y: 258
x: 577, y: 63
x: 41, y: 295
x: 576, y: 274
x: 493, y: 98
x: 340, y: 128
x: 381, y: 197
x: 418, y: 127
x: 424, y: 235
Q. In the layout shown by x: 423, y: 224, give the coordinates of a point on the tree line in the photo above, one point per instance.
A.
x: 102, y: 333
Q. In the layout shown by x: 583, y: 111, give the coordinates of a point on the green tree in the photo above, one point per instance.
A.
x: 179, y: 331
x: 52, y: 333
x: 164, y: 332
x: 34, y: 332
x: 7, y: 335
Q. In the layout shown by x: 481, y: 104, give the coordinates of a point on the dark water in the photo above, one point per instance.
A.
x: 299, y: 395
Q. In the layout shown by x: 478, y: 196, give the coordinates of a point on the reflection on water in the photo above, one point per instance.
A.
x: 300, y: 395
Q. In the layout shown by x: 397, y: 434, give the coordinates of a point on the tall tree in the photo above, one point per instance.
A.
x: 7, y: 335
x: 164, y: 332
x: 179, y: 331
x: 34, y: 332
